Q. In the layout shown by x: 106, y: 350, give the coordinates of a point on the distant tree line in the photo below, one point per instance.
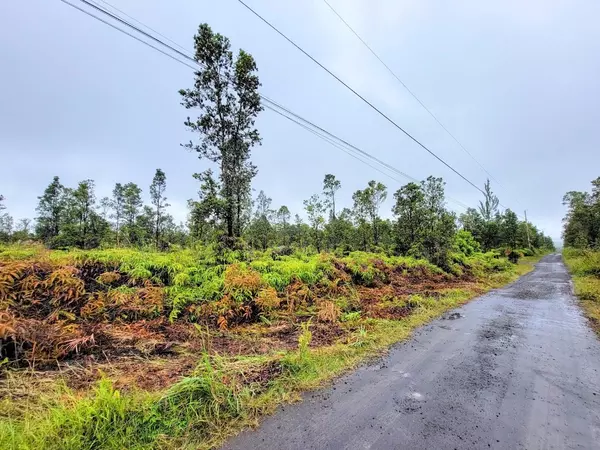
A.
x: 73, y: 217
x: 420, y: 225
x: 582, y: 223
x: 225, y: 96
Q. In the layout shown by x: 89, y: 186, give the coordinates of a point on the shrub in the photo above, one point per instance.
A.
x: 513, y: 255
x: 465, y: 243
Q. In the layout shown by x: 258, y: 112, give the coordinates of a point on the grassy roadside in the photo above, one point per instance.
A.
x: 220, y: 397
x: 584, y: 266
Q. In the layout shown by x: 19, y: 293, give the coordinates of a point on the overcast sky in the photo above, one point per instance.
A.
x: 517, y: 82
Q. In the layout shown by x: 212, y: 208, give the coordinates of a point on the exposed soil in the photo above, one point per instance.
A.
x: 261, y: 376
x: 128, y: 372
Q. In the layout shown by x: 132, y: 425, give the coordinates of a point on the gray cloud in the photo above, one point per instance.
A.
x: 514, y: 81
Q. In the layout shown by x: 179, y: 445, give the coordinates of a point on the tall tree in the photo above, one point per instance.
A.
x: 82, y: 209
x: 367, y: 203
x: 315, y: 209
x: 472, y: 222
x: 489, y: 206
x: 440, y: 223
x: 6, y: 223
x: 206, y: 213
x: 283, y: 216
x: 51, y: 211
x: 424, y: 228
x: 300, y: 233
x: 360, y: 213
x: 509, y: 228
x: 409, y: 210
x: 226, y: 93
x: 261, y: 230
x: 158, y: 199
x: 340, y: 233
x: 105, y: 207
x: 330, y: 186
x: 582, y: 222
x: 132, y: 202
x: 144, y: 226
x: 118, y: 206
x: 6, y: 227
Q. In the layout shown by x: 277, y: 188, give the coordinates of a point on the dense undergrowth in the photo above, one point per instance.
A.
x: 227, y: 341
x: 585, y: 268
x: 57, y: 305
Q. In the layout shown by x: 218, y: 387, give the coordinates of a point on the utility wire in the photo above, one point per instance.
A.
x: 340, y: 143
x: 124, y: 22
x: 270, y: 104
x: 346, y: 150
x: 368, y: 155
x: 408, y: 90
x: 329, y: 140
x: 125, y: 32
x: 361, y: 97
x: 139, y: 23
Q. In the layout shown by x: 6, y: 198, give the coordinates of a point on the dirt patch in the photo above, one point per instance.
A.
x: 326, y: 334
x: 129, y: 373
x: 230, y: 343
x: 261, y: 376
x: 285, y: 336
x: 391, y: 312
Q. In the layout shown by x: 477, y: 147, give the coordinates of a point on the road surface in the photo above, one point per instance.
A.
x: 519, y: 370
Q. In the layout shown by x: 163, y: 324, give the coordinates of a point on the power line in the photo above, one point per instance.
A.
x: 140, y: 23
x: 408, y: 90
x: 368, y: 155
x: 361, y: 97
x: 329, y: 140
x: 270, y: 104
x: 346, y: 150
x: 124, y: 22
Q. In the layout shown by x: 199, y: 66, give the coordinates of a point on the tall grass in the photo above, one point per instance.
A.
x: 196, y: 407
x: 584, y: 264
x: 582, y: 261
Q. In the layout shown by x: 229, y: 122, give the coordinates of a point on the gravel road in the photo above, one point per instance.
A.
x: 519, y: 369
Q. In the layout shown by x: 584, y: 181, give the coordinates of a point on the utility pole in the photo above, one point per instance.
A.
x: 527, y: 228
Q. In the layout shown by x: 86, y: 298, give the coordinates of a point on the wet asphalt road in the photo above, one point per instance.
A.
x: 519, y: 370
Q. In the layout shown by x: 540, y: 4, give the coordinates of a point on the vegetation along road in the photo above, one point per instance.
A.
x: 518, y: 368
x: 128, y: 323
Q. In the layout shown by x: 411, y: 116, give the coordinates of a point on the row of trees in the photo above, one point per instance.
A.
x: 420, y: 225
x: 73, y: 217
x: 582, y: 222
x: 495, y: 229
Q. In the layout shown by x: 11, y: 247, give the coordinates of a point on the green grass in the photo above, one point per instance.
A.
x: 585, y: 269
x: 205, y: 408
